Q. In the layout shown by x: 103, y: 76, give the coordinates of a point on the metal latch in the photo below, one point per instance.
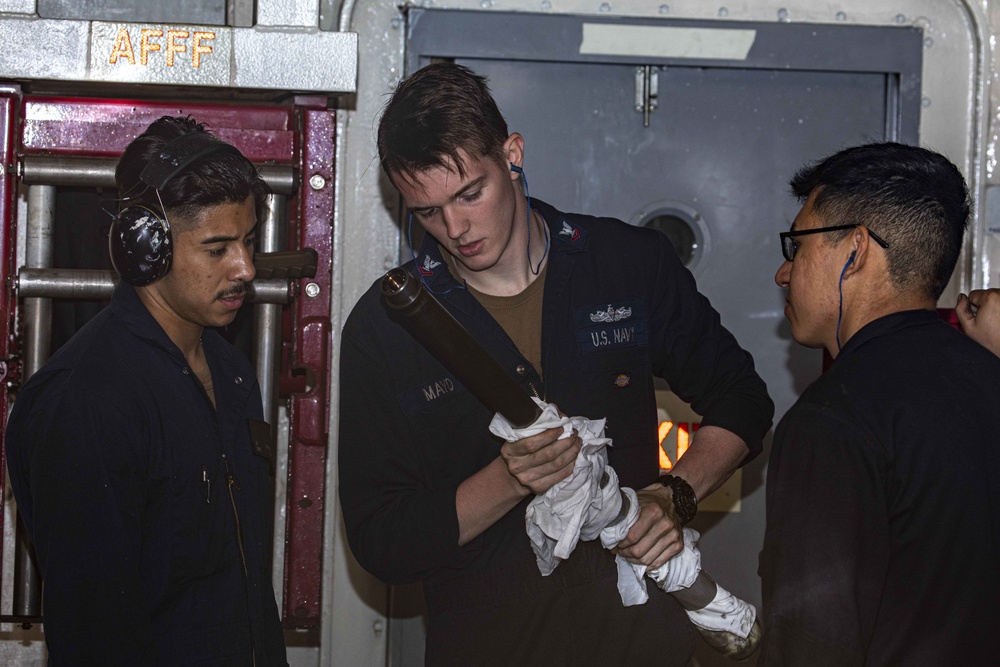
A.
x: 646, y: 90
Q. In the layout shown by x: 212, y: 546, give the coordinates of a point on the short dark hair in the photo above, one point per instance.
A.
x: 435, y: 112
x: 912, y: 197
x: 221, y: 177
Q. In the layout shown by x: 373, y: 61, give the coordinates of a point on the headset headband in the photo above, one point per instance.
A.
x: 178, y: 154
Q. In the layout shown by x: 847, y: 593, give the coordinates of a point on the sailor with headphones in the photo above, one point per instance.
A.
x: 138, y: 454
x: 139, y: 242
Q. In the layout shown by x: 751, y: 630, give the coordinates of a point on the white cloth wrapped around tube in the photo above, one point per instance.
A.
x: 585, y: 506
x: 725, y: 613
x: 679, y: 572
x: 577, y: 507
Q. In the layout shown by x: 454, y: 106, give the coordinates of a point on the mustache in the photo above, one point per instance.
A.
x: 240, y: 288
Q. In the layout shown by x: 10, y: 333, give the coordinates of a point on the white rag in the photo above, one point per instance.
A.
x: 585, y: 506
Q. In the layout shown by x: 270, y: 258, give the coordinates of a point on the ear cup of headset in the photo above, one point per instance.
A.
x: 140, y: 245
x: 139, y: 239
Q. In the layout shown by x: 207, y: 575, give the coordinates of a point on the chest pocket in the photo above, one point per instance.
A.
x: 613, y: 346
x: 612, y: 340
x: 611, y: 327
x: 201, y: 519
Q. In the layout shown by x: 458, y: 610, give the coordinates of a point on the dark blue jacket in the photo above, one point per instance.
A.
x: 619, y: 309
x: 883, y: 505
x: 119, y: 467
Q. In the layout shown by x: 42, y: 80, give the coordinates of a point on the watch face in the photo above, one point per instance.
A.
x: 685, y: 503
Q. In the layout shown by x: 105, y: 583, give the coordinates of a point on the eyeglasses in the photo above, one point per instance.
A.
x: 789, y: 245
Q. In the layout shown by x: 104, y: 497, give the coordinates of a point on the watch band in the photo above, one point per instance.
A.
x: 685, y: 502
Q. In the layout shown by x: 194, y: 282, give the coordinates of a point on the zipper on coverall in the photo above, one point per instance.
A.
x: 231, y: 483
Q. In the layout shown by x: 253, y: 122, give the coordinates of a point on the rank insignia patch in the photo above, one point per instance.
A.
x: 427, y: 269
x: 576, y: 236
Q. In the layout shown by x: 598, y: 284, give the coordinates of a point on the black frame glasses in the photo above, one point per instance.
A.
x: 789, y: 246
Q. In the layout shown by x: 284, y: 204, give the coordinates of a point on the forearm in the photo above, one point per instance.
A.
x: 706, y: 367
x: 484, y: 498
x: 713, y: 456
x: 531, y: 465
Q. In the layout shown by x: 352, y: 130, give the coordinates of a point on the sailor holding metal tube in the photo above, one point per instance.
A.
x: 586, y: 505
x: 579, y: 311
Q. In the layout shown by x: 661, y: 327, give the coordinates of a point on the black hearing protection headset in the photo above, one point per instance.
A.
x: 139, y: 240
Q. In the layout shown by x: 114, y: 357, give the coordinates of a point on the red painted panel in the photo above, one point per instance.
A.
x: 949, y: 316
x: 104, y: 127
x: 310, y: 410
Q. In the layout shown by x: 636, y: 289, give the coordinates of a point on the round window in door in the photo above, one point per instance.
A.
x: 682, y: 225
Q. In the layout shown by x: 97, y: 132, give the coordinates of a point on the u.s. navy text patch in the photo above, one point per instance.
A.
x: 611, y: 325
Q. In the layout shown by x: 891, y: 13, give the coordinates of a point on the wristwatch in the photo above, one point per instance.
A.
x: 685, y: 502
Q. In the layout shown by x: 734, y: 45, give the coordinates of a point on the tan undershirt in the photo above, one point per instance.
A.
x: 520, y: 316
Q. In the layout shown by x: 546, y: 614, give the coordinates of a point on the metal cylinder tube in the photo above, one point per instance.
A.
x: 100, y: 172
x: 38, y: 254
x: 443, y: 335
x: 37, y: 341
x: 267, y: 316
x: 65, y: 283
x: 699, y: 595
x: 271, y: 290
x: 99, y: 284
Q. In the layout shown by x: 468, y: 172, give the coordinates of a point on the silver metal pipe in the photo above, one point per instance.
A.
x: 99, y: 284
x: 271, y: 291
x: 281, y: 179
x: 267, y: 317
x: 37, y: 343
x: 267, y: 337
x: 65, y: 171
x: 66, y: 283
x: 27, y: 581
x: 38, y: 254
x: 100, y: 172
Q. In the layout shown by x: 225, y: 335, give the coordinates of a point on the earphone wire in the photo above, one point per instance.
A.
x: 840, y: 308
x: 545, y: 230
x: 163, y: 210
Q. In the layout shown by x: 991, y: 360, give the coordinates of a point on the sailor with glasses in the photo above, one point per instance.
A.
x: 883, y: 492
